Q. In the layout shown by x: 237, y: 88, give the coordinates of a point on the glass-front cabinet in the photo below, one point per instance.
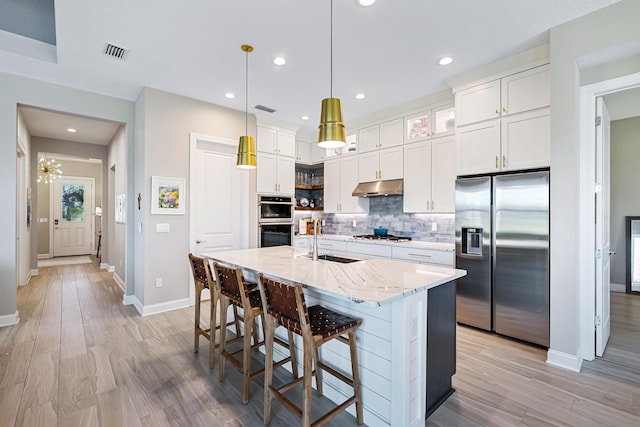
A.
x: 430, y: 124
x: 309, y: 187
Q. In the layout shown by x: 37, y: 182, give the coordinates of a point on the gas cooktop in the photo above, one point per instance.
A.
x: 388, y: 237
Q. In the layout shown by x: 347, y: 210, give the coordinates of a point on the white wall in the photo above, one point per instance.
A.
x: 24, y: 189
x: 625, y: 187
x: 599, y: 31
x: 16, y: 91
x: 116, y: 168
x: 164, y: 133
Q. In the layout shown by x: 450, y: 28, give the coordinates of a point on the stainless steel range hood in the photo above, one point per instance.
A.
x: 392, y: 187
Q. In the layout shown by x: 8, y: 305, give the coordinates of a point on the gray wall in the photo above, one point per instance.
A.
x: 625, y: 189
x: 600, y: 31
x: 163, y: 136
x: 114, y: 254
x: 16, y: 91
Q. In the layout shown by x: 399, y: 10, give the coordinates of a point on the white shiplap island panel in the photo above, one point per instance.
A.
x: 391, y: 299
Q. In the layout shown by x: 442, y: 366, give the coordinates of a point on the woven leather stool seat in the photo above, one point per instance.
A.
x: 234, y: 290
x: 285, y: 306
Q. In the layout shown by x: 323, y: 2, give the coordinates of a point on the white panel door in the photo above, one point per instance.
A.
x: 603, y: 244
x: 266, y: 140
x: 286, y: 143
x: 368, y: 166
x: 220, y: 199
x: 478, y: 103
x: 285, y: 175
x: 392, y: 133
x: 73, y: 201
x: 369, y: 138
x: 526, y: 91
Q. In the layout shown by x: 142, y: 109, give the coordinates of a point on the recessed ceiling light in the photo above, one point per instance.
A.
x: 279, y: 60
x: 365, y: 3
x: 229, y: 95
x: 360, y: 96
x: 305, y: 117
x: 445, y: 60
x: 71, y: 130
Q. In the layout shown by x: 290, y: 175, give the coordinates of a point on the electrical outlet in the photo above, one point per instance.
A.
x: 158, y: 282
x: 434, y: 226
x: 354, y: 223
x: 323, y: 222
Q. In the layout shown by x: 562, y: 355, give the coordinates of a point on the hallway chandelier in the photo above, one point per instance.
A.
x: 331, y: 132
x: 48, y: 170
x: 246, y: 148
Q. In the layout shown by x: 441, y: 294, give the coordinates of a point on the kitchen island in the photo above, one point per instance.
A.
x: 406, y: 344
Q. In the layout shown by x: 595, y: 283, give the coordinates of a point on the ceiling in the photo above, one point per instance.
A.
x: 388, y: 51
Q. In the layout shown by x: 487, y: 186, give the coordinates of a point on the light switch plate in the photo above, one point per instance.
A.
x: 163, y: 228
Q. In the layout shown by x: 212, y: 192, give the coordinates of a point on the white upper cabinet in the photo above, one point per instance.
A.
x: 369, y: 139
x: 503, y: 125
x: 478, y: 103
x: 432, y: 123
x: 391, y: 133
x: 278, y: 141
x: 340, y: 179
x: 276, y: 153
x: 429, y: 176
x: 380, y: 165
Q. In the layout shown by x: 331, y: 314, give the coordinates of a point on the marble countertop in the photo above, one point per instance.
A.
x: 438, y: 246
x: 372, y: 281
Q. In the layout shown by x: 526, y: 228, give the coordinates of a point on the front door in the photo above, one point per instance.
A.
x: 603, y: 244
x: 73, y: 200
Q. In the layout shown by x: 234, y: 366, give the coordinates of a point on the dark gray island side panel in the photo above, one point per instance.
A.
x: 441, y: 343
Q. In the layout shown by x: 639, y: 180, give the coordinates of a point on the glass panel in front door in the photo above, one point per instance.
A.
x: 72, y: 203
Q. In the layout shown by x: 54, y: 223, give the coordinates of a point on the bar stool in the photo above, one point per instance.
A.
x: 233, y: 290
x: 203, y: 279
x: 284, y: 305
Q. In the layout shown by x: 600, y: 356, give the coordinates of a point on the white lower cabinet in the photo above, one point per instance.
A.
x: 368, y: 250
x: 423, y: 256
x: 430, y: 176
x: 331, y: 246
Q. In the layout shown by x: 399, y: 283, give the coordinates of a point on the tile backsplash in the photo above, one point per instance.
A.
x: 387, y: 212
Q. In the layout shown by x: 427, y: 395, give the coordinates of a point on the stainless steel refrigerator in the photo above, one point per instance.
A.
x: 502, y: 240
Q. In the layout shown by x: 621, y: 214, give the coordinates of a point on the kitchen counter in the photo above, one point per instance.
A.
x: 406, y: 344
x: 370, y: 281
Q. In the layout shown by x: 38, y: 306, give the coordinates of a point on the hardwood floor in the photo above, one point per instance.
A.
x: 80, y: 357
x: 500, y: 382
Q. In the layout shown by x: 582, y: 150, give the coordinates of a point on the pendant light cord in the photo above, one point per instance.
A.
x: 331, y: 52
x: 246, y: 94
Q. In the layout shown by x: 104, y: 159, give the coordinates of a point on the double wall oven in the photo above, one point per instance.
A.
x: 275, y: 221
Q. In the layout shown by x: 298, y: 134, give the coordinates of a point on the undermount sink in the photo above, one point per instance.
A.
x: 335, y: 258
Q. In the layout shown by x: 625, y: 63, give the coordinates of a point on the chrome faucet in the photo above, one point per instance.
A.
x: 314, y: 255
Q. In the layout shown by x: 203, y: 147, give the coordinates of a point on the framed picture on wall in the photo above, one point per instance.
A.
x: 168, y: 196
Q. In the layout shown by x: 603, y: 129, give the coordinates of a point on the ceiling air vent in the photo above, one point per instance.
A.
x: 263, y: 108
x: 115, y: 51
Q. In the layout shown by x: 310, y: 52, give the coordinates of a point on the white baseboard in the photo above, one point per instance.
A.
x: 44, y: 256
x: 35, y: 272
x: 618, y: 287
x: 148, y: 310
x: 119, y: 281
x: 9, y: 319
x: 564, y: 360
x: 111, y: 268
x: 104, y: 266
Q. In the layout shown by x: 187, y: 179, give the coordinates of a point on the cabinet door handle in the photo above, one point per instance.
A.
x: 504, y: 161
x: 433, y: 205
x: 497, y: 111
x: 422, y: 255
x: 504, y: 109
x: 497, y: 164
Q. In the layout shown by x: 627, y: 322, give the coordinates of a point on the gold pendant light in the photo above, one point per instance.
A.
x: 246, y: 147
x: 331, y: 132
